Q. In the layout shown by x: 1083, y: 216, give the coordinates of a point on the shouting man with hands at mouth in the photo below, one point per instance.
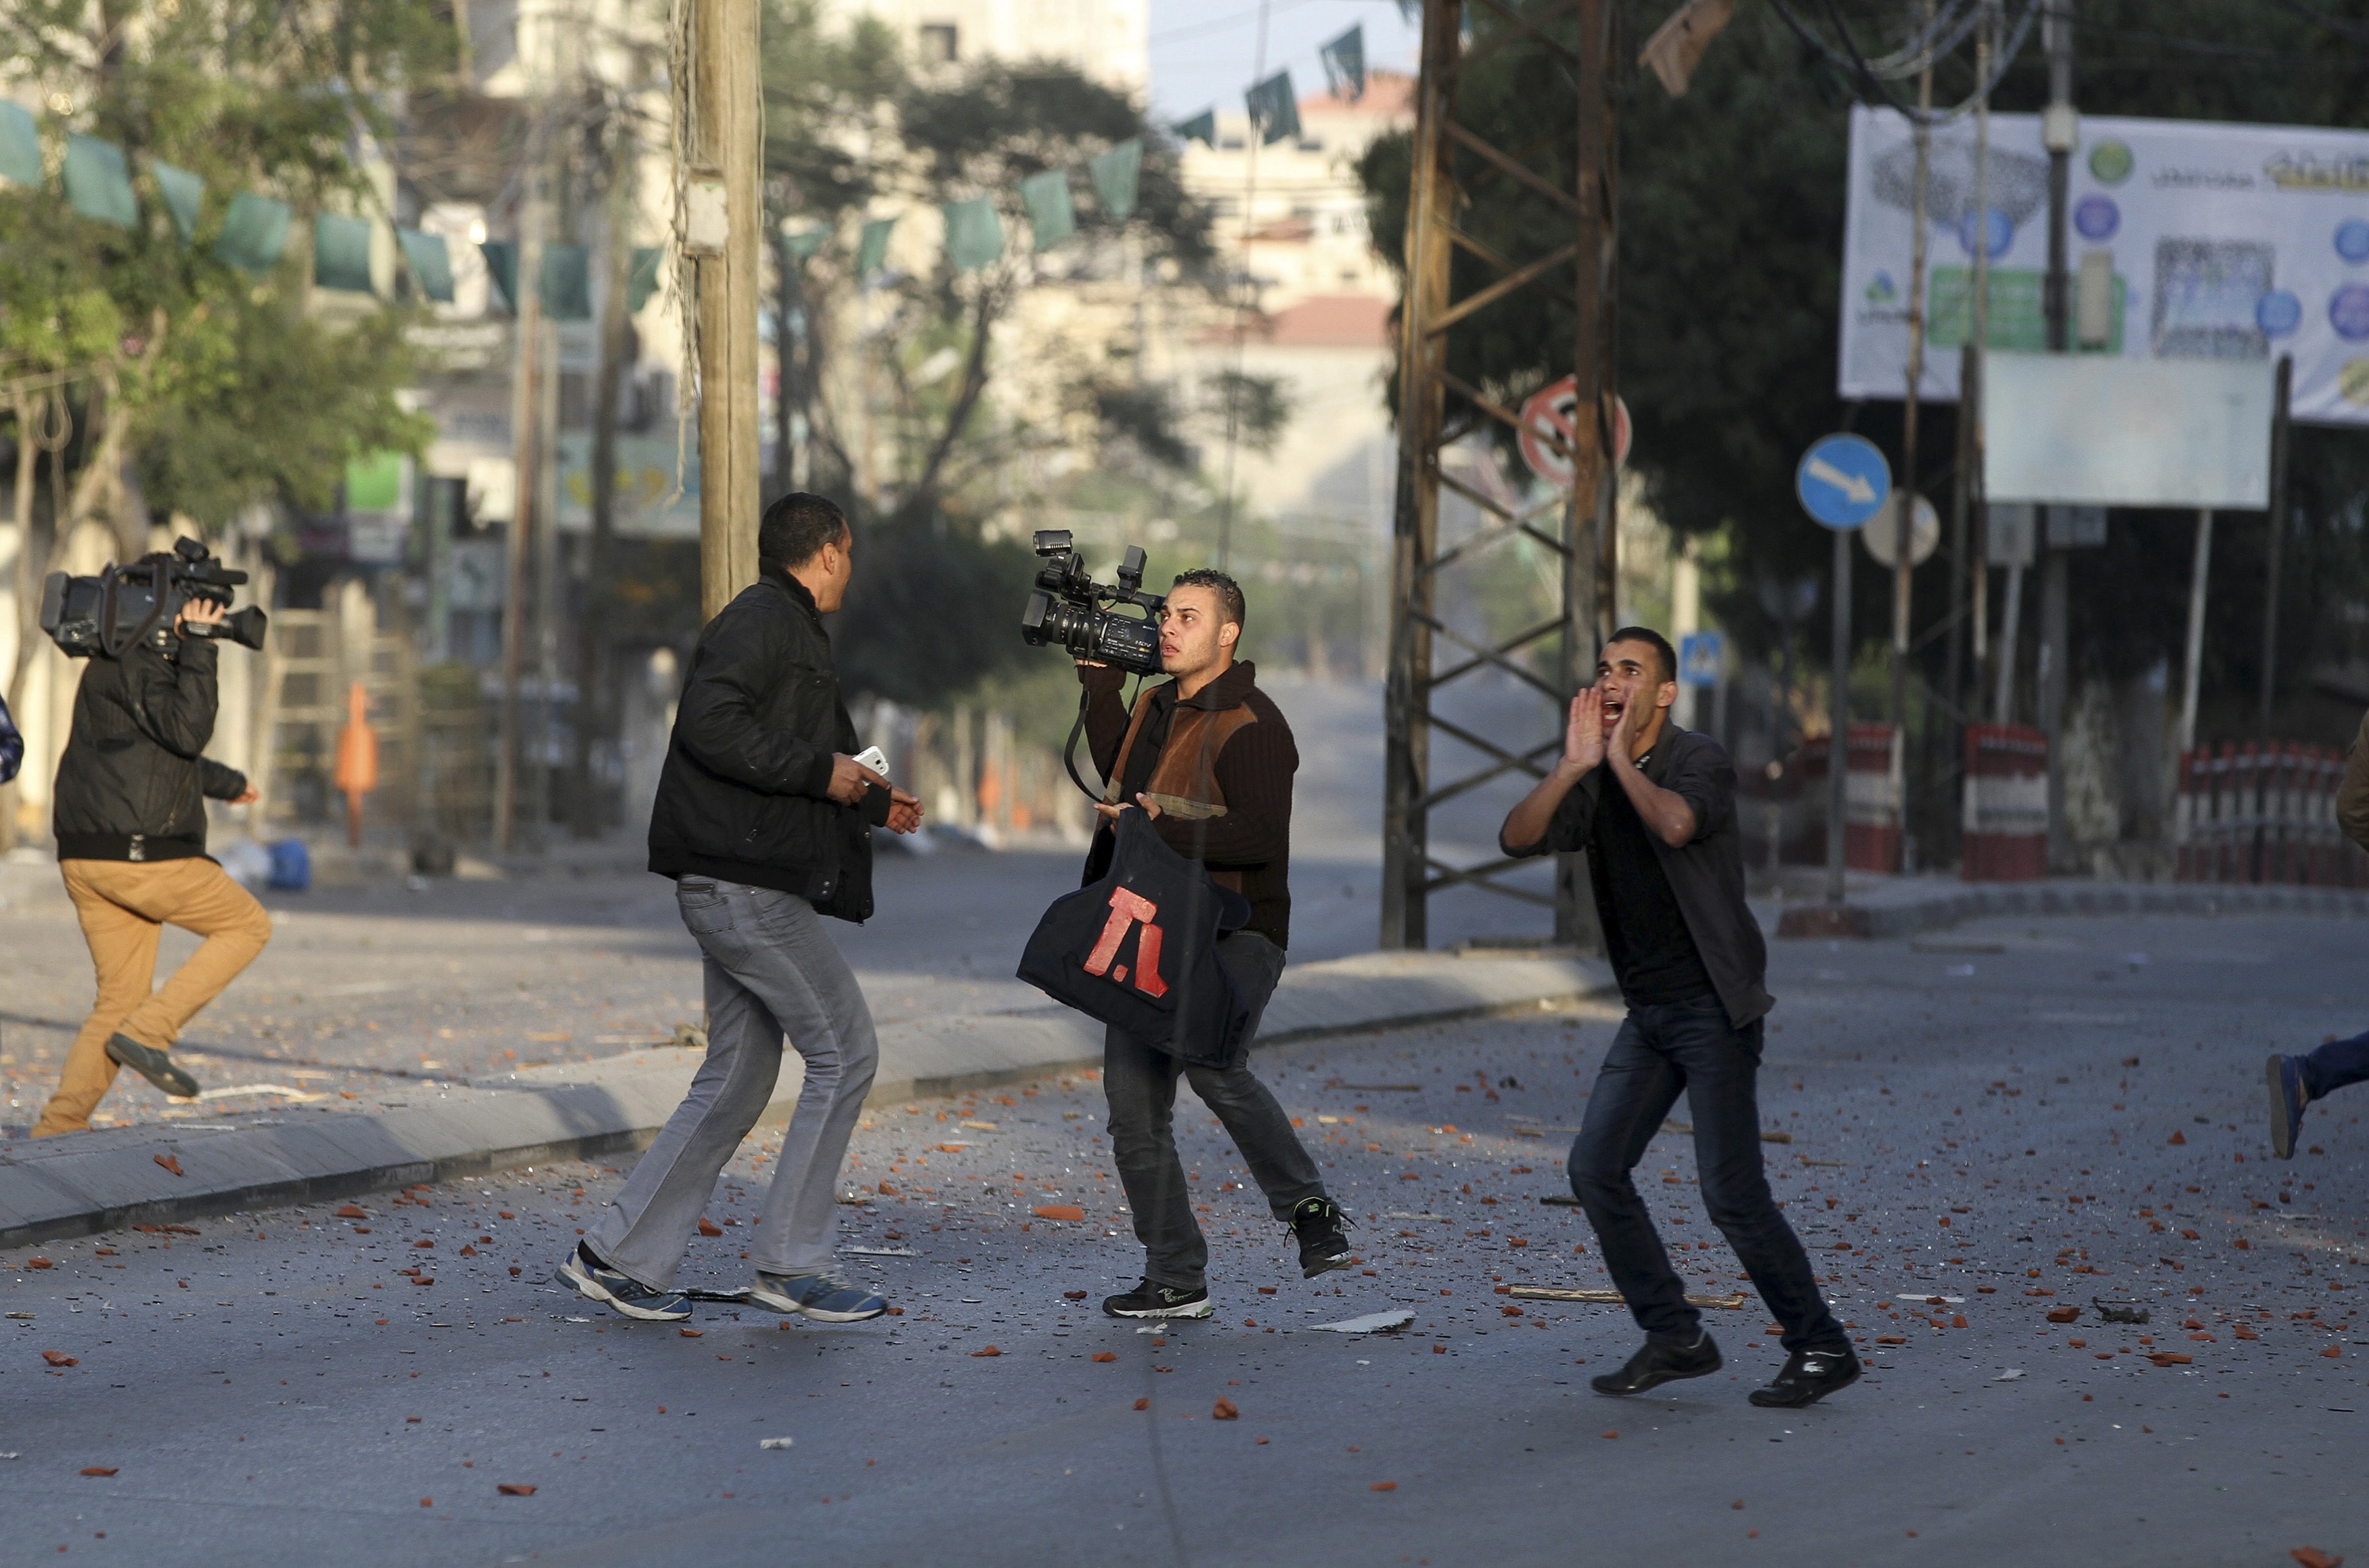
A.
x: 1653, y: 806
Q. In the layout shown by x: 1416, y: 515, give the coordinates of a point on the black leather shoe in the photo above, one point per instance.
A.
x: 1809, y: 1376
x: 1660, y: 1363
x: 152, y: 1065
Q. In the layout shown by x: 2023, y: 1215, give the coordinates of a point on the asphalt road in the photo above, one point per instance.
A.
x: 1966, y: 1121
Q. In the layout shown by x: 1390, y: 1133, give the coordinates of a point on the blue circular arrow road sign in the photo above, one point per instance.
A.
x: 1843, y: 481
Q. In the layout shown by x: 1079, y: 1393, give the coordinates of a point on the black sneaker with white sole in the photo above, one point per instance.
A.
x: 151, y: 1064
x: 596, y: 1281
x: 1150, y: 1300
x: 1321, y: 1229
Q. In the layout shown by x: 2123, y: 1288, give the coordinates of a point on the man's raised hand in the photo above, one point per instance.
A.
x: 1583, y: 736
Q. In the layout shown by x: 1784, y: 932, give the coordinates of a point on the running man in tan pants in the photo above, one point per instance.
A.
x: 131, y: 825
x: 124, y: 908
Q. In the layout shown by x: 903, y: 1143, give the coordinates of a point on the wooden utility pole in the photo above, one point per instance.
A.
x: 526, y: 430
x: 725, y: 213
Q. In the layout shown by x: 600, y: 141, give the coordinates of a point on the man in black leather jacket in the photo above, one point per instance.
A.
x: 765, y: 822
x: 131, y: 826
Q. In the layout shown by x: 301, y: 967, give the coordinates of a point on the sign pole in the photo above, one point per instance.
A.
x: 1842, y: 482
x: 1838, y: 745
x: 2194, y: 664
x: 2281, y: 418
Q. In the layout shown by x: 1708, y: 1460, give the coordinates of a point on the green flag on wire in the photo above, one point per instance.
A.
x: 20, y: 146
x: 1201, y: 128
x: 1345, y: 63
x: 184, y: 193
x: 872, y: 251
x: 974, y: 233
x: 1118, y: 174
x: 804, y: 243
x: 1051, y: 218
x: 643, y: 281
x: 98, y: 181
x: 431, y: 263
x: 1274, y: 108
x: 501, y: 263
x: 341, y: 247
x: 567, y: 282
x: 253, y: 232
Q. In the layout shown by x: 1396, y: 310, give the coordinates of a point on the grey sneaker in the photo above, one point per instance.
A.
x: 597, y: 1281
x: 825, y: 1298
x: 151, y: 1064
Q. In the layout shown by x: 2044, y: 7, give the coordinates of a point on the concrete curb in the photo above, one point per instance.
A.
x: 115, y: 1178
x: 1904, y: 911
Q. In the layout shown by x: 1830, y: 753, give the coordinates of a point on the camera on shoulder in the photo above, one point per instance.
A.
x: 1066, y: 608
x: 121, y: 606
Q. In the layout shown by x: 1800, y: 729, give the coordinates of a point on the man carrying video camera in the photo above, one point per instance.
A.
x: 130, y: 827
x: 1208, y: 757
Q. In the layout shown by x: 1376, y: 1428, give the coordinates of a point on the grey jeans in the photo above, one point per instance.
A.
x: 772, y: 971
x: 1140, y: 1079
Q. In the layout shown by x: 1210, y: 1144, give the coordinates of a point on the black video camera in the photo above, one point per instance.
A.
x: 141, y: 603
x: 1066, y: 608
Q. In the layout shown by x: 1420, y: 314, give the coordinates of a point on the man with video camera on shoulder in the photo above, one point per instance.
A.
x: 1209, y: 758
x: 131, y: 828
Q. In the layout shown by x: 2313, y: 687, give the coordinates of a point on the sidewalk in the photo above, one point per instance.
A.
x: 156, y: 1173
x: 1902, y: 906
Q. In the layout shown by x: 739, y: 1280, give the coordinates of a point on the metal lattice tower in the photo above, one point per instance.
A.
x: 1455, y: 170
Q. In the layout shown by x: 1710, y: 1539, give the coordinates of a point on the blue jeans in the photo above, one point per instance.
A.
x: 2334, y: 1065
x: 1662, y: 1051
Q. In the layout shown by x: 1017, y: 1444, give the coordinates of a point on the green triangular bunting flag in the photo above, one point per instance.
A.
x: 974, y: 233
x: 873, y: 250
x: 431, y: 263
x: 1345, y: 63
x: 341, y: 247
x: 501, y: 262
x: 1117, y: 174
x: 253, y: 232
x: 1201, y: 128
x: 98, y: 181
x: 567, y: 282
x: 184, y: 193
x: 643, y: 279
x: 20, y: 146
x: 1275, y: 109
x: 805, y: 243
x: 1051, y: 218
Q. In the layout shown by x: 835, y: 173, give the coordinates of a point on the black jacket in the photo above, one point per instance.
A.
x: 12, y: 745
x: 745, y: 794
x: 1706, y: 873
x: 133, y: 780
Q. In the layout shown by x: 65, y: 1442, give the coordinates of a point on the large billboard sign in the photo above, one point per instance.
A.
x: 2202, y: 241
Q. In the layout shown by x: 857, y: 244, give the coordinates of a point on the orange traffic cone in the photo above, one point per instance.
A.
x: 356, y: 773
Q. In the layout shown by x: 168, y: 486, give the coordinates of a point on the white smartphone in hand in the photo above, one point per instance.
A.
x: 875, y: 759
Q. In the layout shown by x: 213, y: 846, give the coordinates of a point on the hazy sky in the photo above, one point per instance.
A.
x: 1205, y: 51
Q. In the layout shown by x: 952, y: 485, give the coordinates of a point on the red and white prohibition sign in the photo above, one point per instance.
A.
x: 1550, y: 412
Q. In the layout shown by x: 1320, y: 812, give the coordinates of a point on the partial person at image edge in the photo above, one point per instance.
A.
x: 1653, y: 808
x: 1209, y: 759
x: 763, y: 818
x: 12, y: 745
x: 2295, y: 1081
x: 130, y: 819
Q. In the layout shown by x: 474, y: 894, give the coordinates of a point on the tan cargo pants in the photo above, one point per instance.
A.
x: 124, y: 907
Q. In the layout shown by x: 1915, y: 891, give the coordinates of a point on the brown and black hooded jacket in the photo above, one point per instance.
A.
x: 1219, y: 763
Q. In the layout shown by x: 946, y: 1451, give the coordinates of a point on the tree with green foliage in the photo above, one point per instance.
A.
x: 132, y: 352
